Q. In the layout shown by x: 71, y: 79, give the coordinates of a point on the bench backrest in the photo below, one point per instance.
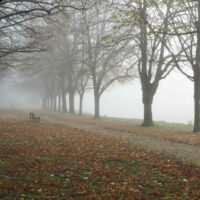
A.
x: 33, y: 118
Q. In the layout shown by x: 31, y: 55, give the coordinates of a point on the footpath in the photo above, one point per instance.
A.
x: 173, y: 149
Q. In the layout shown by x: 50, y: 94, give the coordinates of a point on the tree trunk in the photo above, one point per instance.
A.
x: 59, y: 103
x: 49, y: 104
x: 55, y: 103
x: 80, y: 104
x: 148, y: 119
x: 147, y: 102
x: 43, y: 103
x: 196, y: 127
x: 145, y: 74
x: 52, y: 100
x: 64, y: 107
x: 96, y: 106
x: 71, y: 102
x: 196, y: 70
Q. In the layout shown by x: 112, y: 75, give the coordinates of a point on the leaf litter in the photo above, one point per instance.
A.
x: 52, y: 161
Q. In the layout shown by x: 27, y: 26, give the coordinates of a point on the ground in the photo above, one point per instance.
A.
x: 53, y: 161
x: 175, y: 140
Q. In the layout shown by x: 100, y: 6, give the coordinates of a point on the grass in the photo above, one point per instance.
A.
x: 127, y: 121
x: 158, y: 124
x: 172, y: 131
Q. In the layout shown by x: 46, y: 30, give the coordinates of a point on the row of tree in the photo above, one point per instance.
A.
x: 79, y: 57
x: 102, y: 42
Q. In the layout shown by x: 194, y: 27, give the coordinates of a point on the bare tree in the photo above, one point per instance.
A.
x: 103, y: 61
x: 70, y: 44
x: 62, y: 61
x: 140, y: 22
x: 84, y: 75
x: 17, y: 35
x: 185, y: 29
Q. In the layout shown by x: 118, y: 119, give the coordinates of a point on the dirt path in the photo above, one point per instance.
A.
x: 181, y: 151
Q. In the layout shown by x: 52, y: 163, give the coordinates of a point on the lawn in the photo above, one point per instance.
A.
x: 128, y: 121
x: 51, y: 161
x: 172, y: 131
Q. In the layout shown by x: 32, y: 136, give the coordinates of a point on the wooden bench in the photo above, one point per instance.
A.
x: 33, y: 118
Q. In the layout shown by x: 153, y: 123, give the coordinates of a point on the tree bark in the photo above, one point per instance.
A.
x: 59, y: 102
x: 196, y: 70
x: 44, y: 103
x: 148, y: 119
x: 51, y: 103
x: 96, y: 106
x: 196, y: 127
x: 80, y: 104
x: 47, y: 103
x: 147, y: 102
x: 71, y: 102
x: 64, y: 107
x: 55, y: 103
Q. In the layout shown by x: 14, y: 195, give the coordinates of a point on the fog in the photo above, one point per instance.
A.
x: 15, y: 97
x: 173, y: 102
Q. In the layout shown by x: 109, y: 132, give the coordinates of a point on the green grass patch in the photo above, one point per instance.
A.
x: 127, y: 121
x: 152, y: 181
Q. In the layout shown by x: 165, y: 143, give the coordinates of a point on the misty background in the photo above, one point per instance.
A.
x: 173, y: 101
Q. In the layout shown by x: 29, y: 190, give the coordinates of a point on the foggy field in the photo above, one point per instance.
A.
x: 52, y: 161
